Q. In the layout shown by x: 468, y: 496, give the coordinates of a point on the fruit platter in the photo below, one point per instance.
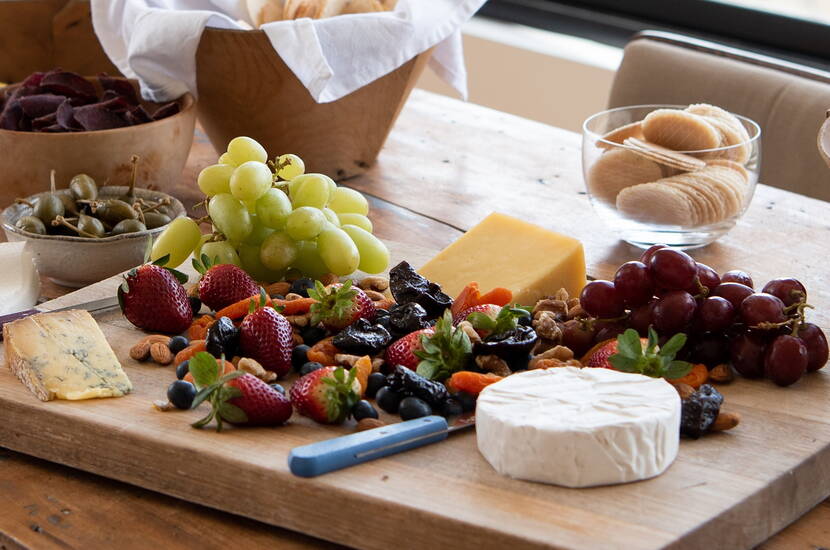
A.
x: 296, y: 326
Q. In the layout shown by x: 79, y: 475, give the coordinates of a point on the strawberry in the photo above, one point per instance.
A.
x: 326, y: 395
x: 340, y: 305
x: 223, y: 284
x: 491, y: 310
x: 630, y: 353
x: 152, y: 298
x: 402, y: 351
x: 266, y: 336
x: 490, y: 319
x: 598, y: 355
x: 448, y: 350
x: 237, y: 398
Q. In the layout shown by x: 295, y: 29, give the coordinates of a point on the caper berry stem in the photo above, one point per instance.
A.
x: 60, y: 220
x: 24, y: 201
x: 53, y: 187
x: 133, y: 177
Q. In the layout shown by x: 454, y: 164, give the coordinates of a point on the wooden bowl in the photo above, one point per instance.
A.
x: 163, y: 146
x: 79, y: 261
x: 246, y: 89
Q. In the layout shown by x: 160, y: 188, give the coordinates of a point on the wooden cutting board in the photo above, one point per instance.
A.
x: 727, y: 490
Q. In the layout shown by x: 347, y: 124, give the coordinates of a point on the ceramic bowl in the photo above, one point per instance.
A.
x: 78, y: 261
x: 163, y: 147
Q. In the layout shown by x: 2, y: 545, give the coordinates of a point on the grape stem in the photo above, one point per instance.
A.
x: 703, y: 290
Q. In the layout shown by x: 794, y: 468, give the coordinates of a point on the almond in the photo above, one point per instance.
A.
x: 685, y: 390
x: 722, y: 374
x: 161, y: 354
x: 725, y: 421
x: 140, y: 351
x: 160, y: 338
x: 369, y: 424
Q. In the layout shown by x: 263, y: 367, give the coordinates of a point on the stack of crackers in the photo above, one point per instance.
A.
x: 651, y: 181
x: 266, y: 11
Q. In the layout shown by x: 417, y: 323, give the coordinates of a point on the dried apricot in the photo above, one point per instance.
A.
x: 472, y: 382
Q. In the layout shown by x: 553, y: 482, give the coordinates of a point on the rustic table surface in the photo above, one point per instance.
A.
x: 446, y: 165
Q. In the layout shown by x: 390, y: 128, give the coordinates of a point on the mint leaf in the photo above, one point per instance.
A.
x: 677, y: 369
x: 204, y: 369
x: 674, y: 345
x: 629, y: 345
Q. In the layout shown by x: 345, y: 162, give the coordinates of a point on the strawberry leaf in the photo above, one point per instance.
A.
x: 677, y: 369
x: 623, y: 363
x: 204, y: 369
x: 232, y: 413
x: 480, y: 321
x: 333, y: 303
x: 629, y: 345
x: 203, y: 394
x: 446, y: 351
x: 181, y: 277
x: 427, y: 370
x: 161, y: 262
x: 631, y: 357
x: 674, y: 345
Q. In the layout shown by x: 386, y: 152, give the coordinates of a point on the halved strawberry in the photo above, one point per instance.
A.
x: 402, y: 351
x: 152, y: 298
x: 490, y: 310
x: 340, y: 305
x: 598, y: 355
x: 223, y: 284
x: 326, y: 395
x: 266, y: 336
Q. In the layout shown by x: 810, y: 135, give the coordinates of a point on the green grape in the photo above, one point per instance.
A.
x: 230, y: 217
x: 273, y: 208
x: 331, y: 216
x: 278, y: 251
x: 294, y: 167
x: 250, y: 206
x: 309, y: 261
x: 356, y: 219
x: 305, y: 223
x: 226, y: 158
x: 178, y: 240
x: 348, y: 201
x: 220, y: 252
x: 244, y: 149
x: 197, y: 252
x: 250, y: 262
x: 338, y: 251
x: 259, y: 231
x: 251, y: 180
x: 374, y: 256
x: 215, y: 179
x: 314, y: 190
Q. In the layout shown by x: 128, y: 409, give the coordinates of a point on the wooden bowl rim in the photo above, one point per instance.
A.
x: 114, y: 190
x: 187, y: 103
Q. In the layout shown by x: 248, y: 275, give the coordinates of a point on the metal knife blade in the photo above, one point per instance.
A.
x: 92, y: 307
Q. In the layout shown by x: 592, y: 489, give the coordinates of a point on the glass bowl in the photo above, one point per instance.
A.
x: 655, y: 191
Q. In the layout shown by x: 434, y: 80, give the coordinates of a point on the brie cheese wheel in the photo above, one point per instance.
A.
x: 579, y: 427
x: 19, y: 281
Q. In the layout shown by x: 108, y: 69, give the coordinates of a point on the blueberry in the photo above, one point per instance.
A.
x: 279, y: 388
x: 195, y: 304
x: 413, y: 407
x: 388, y: 400
x: 380, y: 312
x: 178, y: 343
x: 312, y: 335
x: 311, y: 366
x: 299, y: 356
x: 451, y: 408
x: 376, y: 381
x: 363, y: 409
x: 181, y: 394
x: 301, y: 286
x: 182, y: 369
x: 466, y: 400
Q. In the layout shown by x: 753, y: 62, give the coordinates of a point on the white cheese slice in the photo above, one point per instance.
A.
x: 19, y: 282
x: 579, y: 427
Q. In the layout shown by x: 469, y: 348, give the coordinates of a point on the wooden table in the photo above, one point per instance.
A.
x: 446, y: 165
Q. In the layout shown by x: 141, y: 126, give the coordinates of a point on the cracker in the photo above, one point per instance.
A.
x: 617, y: 169
x: 656, y: 203
x: 680, y: 130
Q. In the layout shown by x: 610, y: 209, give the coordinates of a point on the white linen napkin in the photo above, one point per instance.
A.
x: 155, y: 41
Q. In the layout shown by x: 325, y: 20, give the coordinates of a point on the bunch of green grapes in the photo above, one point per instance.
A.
x: 269, y: 221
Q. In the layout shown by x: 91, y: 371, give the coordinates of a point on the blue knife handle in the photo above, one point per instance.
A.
x: 333, y: 454
x: 9, y: 317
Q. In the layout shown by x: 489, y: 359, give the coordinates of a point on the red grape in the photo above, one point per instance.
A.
x: 714, y: 314
x: 710, y: 349
x: 673, y: 312
x: 788, y: 291
x: 578, y: 336
x: 816, y: 343
x: 707, y: 276
x: 601, y: 299
x: 641, y: 318
x: 647, y: 254
x: 734, y: 292
x: 762, y: 308
x: 633, y: 283
x: 747, y: 354
x: 785, y: 360
x: 607, y: 330
x: 737, y: 276
x: 672, y: 269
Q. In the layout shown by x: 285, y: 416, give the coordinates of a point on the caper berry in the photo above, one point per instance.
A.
x: 31, y: 224
x: 155, y: 219
x: 128, y: 226
x: 83, y: 187
x: 48, y: 207
x: 69, y: 206
x: 90, y: 225
x: 113, y: 211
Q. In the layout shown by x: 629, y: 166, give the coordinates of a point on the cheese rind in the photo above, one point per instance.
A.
x: 579, y: 427
x: 19, y: 282
x: 504, y: 251
x: 63, y: 355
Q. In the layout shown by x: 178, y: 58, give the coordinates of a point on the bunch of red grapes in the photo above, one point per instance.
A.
x: 761, y: 333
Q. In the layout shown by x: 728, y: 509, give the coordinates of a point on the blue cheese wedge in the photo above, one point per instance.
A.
x: 64, y: 355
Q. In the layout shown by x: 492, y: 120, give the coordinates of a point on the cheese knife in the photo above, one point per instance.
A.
x: 92, y: 307
x: 341, y: 452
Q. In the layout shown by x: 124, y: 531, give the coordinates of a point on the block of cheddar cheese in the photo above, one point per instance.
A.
x: 504, y: 251
x: 63, y: 355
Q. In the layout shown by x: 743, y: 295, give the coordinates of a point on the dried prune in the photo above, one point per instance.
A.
x: 407, y: 286
x: 408, y: 382
x: 406, y: 318
x: 222, y: 338
x: 511, y: 346
x: 362, y: 338
x: 699, y: 411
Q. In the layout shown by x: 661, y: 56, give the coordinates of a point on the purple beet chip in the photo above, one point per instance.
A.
x: 36, y: 106
x: 42, y: 122
x: 138, y: 115
x: 53, y: 128
x: 66, y: 116
x: 68, y: 84
x: 118, y: 86
x: 12, y: 115
x: 33, y: 79
x: 117, y: 104
x: 167, y: 110
x: 98, y: 117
